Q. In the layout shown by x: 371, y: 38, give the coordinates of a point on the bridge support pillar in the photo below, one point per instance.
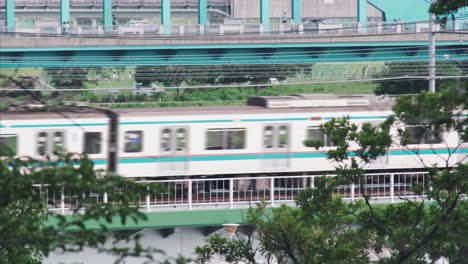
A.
x: 296, y: 11
x: 202, y: 13
x: 166, y: 16
x: 362, y: 15
x: 64, y: 12
x: 107, y: 15
x: 10, y: 15
x: 265, y: 14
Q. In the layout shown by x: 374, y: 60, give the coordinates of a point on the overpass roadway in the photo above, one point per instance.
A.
x: 31, y: 50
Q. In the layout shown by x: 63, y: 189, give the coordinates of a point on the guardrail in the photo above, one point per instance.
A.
x: 239, y: 29
x: 244, y: 192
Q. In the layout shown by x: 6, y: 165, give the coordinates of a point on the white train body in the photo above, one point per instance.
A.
x: 214, y: 140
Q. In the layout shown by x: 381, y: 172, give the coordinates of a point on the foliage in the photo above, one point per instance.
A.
x: 414, y: 86
x: 67, y: 77
x: 30, y: 232
x: 215, y: 75
x: 325, y: 229
x: 444, y: 7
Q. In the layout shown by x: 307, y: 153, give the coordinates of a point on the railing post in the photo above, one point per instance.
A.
x: 148, y: 199
x: 231, y: 193
x: 398, y: 28
x: 221, y: 29
x: 190, y: 195
x: 104, y: 198
x: 201, y: 29
x: 272, y: 191
x: 379, y: 28
x: 312, y: 182
x: 352, y: 192
x: 62, y: 201
x: 392, y: 188
x: 301, y: 29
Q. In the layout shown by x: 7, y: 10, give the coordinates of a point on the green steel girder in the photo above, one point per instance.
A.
x: 221, y: 54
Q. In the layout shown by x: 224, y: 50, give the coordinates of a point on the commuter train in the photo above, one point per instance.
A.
x: 265, y: 137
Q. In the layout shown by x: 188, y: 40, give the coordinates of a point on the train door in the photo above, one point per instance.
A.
x: 276, y: 146
x: 174, y: 149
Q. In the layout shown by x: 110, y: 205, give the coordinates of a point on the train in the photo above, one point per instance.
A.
x: 265, y: 137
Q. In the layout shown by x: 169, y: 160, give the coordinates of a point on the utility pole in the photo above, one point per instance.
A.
x: 432, y: 53
x: 112, y: 143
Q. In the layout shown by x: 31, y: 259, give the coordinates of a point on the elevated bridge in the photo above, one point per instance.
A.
x: 52, y: 50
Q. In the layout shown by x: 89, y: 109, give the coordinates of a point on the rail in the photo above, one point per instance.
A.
x: 245, y: 192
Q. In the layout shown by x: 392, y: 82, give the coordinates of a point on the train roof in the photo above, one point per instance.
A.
x: 256, y: 105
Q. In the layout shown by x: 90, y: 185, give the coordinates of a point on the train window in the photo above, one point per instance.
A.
x: 268, y: 137
x: 283, y: 137
x: 50, y: 142
x: 133, y: 141
x: 316, y: 135
x: 422, y: 135
x: 8, y: 145
x: 57, y: 142
x: 236, y: 139
x: 42, y: 143
x: 214, y: 139
x: 231, y: 138
x: 181, y: 142
x: 166, y: 140
x: 92, y: 142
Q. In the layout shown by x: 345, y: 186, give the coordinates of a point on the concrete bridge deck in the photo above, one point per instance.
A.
x: 31, y: 50
x: 16, y: 42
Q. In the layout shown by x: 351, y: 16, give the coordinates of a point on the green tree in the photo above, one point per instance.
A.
x: 415, y: 69
x: 444, y: 7
x: 30, y: 231
x: 215, y: 75
x: 324, y: 229
x: 67, y: 77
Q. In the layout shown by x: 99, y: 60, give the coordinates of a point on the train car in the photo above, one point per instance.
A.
x: 265, y: 137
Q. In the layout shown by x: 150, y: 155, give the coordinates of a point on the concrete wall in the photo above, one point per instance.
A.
x: 309, y: 8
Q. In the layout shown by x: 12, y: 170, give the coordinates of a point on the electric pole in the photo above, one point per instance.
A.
x: 432, y: 52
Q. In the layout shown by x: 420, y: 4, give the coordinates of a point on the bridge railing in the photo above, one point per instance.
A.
x: 242, y: 192
x: 244, y: 28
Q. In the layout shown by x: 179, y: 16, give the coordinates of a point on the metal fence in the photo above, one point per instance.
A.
x: 147, y: 29
x: 246, y: 192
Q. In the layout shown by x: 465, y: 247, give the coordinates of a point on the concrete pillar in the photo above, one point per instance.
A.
x: 107, y: 15
x: 10, y: 15
x: 202, y: 13
x: 265, y: 14
x: 166, y: 15
x: 362, y: 15
x: 296, y: 11
x: 64, y: 12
